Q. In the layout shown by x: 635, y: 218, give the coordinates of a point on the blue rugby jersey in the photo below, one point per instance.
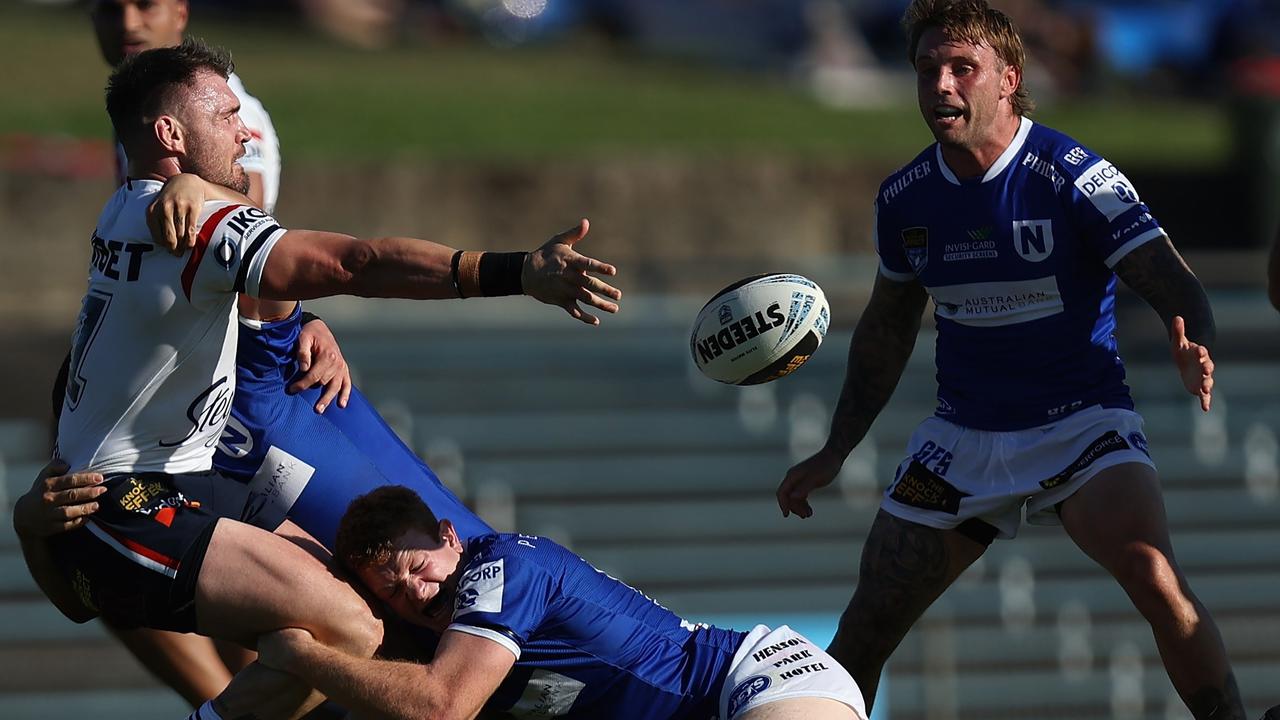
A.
x: 312, y: 466
x: 587, y: 645
x: 1019, y: 265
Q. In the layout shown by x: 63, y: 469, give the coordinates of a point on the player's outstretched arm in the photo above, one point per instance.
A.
x: 308, y: 264
x: 878, y: 353
x: 57, y: 502
x: 454, y: 686
x: 1159, y: 275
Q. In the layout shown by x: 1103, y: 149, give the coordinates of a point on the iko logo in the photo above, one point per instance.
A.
x: 746, y: 690
x: 1033, y: 239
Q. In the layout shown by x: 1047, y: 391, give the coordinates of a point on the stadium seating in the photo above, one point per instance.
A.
x: 605, y: 439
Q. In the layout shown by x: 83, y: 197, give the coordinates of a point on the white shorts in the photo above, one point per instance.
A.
x: 780, y: 664
x: 953, y: 474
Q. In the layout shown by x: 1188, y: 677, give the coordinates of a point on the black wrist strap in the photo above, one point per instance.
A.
x: 308, y: 317
x: 500, y: 273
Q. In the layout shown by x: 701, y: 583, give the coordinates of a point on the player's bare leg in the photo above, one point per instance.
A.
x: 905, y: 567
x: 808, y: 708
x: 254, y: 582
x: 1118, y: 519
x: 189, y: 664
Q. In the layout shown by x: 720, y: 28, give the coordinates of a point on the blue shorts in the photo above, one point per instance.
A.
x: 136, y: 561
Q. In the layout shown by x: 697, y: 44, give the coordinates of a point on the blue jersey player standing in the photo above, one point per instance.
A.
x: 534, y: 631
x: 1018, y: 233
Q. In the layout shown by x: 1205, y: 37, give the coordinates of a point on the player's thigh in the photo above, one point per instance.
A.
x: 802, y: 708
x: 1120, y: 511
x: 906, y: 565
x: 253, y: 581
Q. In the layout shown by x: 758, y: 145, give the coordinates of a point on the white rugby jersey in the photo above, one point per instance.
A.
x: 261, y: 153
x: 153, y: 355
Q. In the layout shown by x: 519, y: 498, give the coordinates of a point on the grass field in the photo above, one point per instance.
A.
x: 583, y: 100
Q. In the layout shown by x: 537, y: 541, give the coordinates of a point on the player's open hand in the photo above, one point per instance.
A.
x: 281, y: 648
x: 58, y: 501
x: 557, y: 274
x: 817, y: 471
x: 320, y: 362
x: 1194, y: 364
x: 173, y: 215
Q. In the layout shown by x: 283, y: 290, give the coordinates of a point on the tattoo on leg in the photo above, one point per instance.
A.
x: 904, y: 568
x: 1218, y: 703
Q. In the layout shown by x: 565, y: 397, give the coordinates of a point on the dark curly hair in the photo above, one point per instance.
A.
x: 374, y: 520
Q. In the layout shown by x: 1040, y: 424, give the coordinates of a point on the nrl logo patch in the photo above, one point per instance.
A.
x: 915, y: 243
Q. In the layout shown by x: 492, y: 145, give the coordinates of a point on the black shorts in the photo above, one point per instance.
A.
x: 137, y: 559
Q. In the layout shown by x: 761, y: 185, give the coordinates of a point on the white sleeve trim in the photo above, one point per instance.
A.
x: 253, y: 278
x: 896, y: 276
x: 503, y: 640
x: 1132, y: 245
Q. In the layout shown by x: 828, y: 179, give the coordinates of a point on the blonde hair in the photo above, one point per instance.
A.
x: 976, y: 23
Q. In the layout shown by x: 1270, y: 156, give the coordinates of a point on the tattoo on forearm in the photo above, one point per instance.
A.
x: 1218, y: 703
x: 1158, y: 274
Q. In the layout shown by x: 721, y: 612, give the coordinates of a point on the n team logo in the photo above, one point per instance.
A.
x: 1033, y: 239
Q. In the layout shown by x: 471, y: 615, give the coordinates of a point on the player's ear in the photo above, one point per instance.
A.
x: 170, y: 134
x: 182, y: 13
x: 1010, y: 81
x: 449, y: 534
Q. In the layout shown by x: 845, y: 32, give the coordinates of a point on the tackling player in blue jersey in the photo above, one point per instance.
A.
x: 1018, y: 233
x: 532, y: 630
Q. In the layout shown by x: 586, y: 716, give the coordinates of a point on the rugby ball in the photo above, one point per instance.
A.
x: 759, y: 329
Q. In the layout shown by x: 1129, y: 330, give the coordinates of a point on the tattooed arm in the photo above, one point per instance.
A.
x: 1160, y: 276
x: 881, y: 345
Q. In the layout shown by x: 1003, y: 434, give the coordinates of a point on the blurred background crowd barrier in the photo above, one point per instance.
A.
x: 706, y: 140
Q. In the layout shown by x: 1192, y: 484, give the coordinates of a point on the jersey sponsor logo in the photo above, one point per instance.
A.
x: 106, y: 255
x: 246, y: 220
x: 227, y: 253
x: 934, y: 456
x: 1108, y: 189
x: 1033, y: 239
x: 1045, y: 169
x: 744, y: 691
x: 915, y: 245
x: 547, y: 694
x: 1076, y: 155
x: 920, y: 487
x: 717, y: 343
x: 912, y: 174
x: 1143, y: 218
x: 480, y: 589
x: 208, y: 413
x: 793, y: 658
x: 998, y: 303
x: 236, y: 439
x: 279, y: 481
x: 1139, y: 441
x: 775, y: 648
x: 1105, y: 444
x: 978, y: 249
x: 151, y: 497
x: 802, y: 670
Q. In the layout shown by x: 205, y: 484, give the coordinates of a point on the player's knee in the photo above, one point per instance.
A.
x: 1151, y: 578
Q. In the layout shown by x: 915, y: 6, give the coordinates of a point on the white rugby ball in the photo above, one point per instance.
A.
x: 759, y: 329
